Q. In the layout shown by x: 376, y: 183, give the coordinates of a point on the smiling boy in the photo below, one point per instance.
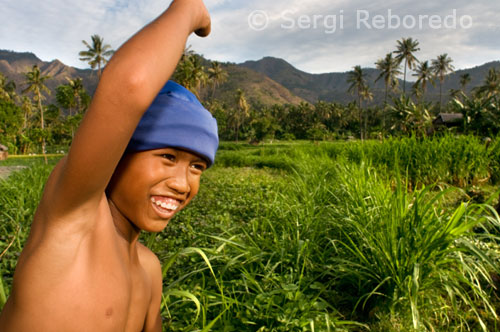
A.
x: 135, y: 161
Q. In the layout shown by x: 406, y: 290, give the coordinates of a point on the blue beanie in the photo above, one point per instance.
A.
x: 176, y: 119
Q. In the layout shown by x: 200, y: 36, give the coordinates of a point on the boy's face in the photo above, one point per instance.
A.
x: 150, y: 187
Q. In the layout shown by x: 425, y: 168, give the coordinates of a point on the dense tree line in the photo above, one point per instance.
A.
x: 29, y: 125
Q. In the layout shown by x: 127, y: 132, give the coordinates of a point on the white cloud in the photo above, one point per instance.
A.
x: 54, y: 29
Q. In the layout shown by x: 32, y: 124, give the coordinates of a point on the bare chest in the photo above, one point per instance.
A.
x: 91, y: 285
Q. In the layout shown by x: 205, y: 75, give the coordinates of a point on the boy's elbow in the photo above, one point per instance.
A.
x: 137, y: 92
x: 130, y: 88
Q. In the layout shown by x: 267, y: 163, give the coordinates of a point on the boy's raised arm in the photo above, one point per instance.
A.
x: 128, y: 85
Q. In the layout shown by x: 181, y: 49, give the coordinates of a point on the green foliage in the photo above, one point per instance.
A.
x: 269, y: 237
x: 447, y: 159
x: 457, y: 160
x: 402, y: 253
x: 481, y: 115
x: 22, y: 129
x: 297, y: 236
x: 11, y: 123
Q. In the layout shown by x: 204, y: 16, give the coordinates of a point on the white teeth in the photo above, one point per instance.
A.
x: 171, y: 207
x: 168, y: 206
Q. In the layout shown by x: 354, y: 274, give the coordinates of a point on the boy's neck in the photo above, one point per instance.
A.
x: 124, y: 227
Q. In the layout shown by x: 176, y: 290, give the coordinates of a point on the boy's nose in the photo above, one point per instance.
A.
x: 179, y: 181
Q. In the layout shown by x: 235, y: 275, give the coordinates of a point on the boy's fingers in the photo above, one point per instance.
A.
x: 203, y: 32
x: 205, y: 22
x: 201, y: 16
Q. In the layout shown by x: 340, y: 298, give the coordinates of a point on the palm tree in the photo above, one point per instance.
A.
x: 464, y: 80
x: 199, y: 76
x: 35, y: 81
x: 405, y: 49
x: 96, y: 54
x: 242, y: 110
x: 7, y: 88
x: 491, y: 85
x: 216, y: 75
x: 456, y: 93
x: 389, y: 71
x: 184, y: 72
x: 27, y: 108
x: 70, y: 95
x: 441, y: 66
x: 73, y: 97
x: 190, y: 72
x: 424, y: 75
x: 478, y: 113
x: 411, y: 117
x: 356, y: 78
x: 78, y: 91
x: 366, y: 94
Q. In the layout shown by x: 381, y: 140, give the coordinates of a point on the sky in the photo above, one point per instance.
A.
x: 314, y: 36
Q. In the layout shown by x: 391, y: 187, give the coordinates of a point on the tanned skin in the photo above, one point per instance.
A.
x: 82, y: 268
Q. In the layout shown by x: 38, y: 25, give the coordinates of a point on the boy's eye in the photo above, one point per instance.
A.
x: 200, y: 167
x: 168, y: 156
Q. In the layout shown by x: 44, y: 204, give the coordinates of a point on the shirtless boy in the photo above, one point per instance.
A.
x: 82, y: 268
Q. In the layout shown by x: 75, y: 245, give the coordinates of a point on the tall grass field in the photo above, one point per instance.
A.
x: 399, y: 235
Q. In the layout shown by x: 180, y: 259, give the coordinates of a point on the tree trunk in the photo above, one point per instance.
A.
x: 213, y: 92
x: 422, y: 100
x: 385, y: 110
x: 42, y: 125
x: 404, y: 80
x: 237, y: 132
x: 440, y: 94
x: 360, y: 117
x: 365, y: 135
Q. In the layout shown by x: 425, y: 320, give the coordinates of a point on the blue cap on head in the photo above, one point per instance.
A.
x: 176, y: 119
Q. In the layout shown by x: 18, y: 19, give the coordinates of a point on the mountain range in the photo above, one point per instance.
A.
x: 265, y: 82
x: 15, y: 64
x: 333, y: 87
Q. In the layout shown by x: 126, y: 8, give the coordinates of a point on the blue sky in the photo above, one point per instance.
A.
x: 314, y: 36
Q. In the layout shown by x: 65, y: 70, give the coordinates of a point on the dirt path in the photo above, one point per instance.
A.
x: 6, y: 170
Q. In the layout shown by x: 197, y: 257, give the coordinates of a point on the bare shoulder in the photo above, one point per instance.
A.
x: 149, y: 260
x: 152, y: 266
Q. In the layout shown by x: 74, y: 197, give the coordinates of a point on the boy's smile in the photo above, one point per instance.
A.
x: 165, y: 206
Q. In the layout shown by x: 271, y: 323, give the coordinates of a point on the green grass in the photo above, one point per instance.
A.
x: 460, y: 161
x: 402, y: 254
x: 336, y: 236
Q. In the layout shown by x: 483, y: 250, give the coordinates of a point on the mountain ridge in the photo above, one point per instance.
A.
x: 332, y: 87
x: 14, y: 65
x: 266, y: 81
